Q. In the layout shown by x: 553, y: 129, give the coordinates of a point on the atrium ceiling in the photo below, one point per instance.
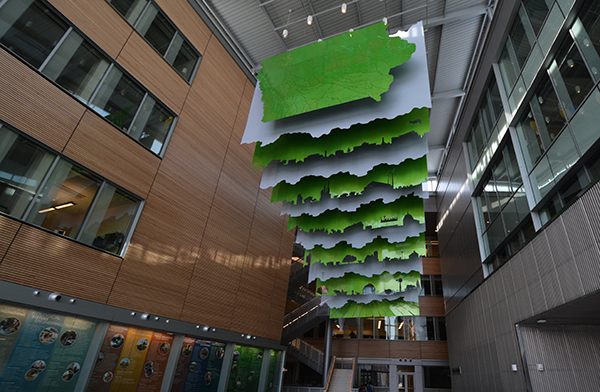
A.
x: 454, y: 34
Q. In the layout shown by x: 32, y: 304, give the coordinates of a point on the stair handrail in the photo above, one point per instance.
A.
x: 352, y: 375
x: 302, y: 311
x: 330, y: 373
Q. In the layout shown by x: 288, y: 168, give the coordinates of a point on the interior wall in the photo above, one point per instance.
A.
x: 569, y: 355
x: 209, y: 247
x: 560, y: 264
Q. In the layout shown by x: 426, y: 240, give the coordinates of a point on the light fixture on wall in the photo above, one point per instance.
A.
x: 309, y: 19
x: 344, y: 8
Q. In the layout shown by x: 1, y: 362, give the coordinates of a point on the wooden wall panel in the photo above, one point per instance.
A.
x: 8, y: 231
x: 48, y: 261
x: 317, y: 342
x: 431, y: 266
x: 147, y: 66
x: 188, y: 21
x: 405, y: 349
x: 432, y: 306
x: 344, y: 347
x: 373, y: 348
x: 34, y: 105
x: 99, y: 21
x: 434, y: 350
x: 105, y: 149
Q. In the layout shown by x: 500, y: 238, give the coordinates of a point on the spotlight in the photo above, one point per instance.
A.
x: 36, y: 292
x: 206, y: 328
x: 285, y: 33
x: 344, y: 8
x: 309, y: 19
x: 72, y: 300
x: 385, y: 21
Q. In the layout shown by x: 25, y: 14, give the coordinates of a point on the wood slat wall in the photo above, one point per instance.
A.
x: 367, y: 348
x: 209, y: 247
x: 432, y: 306
x: 431, y: 266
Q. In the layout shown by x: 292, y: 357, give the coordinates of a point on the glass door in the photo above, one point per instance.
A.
x: 406, y: 381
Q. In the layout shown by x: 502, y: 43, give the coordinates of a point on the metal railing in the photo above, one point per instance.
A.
x: 310, y: 355
x: 301, y: 295
x: 301, y: 389
x: 330, y: 373
x: 302, y: 311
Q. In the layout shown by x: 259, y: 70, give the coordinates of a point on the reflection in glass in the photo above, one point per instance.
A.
x: 118, y: 99
x: 571, y: 77
x: 587, y: 33
x: 157, y: 30
x: 23, y: 165
x: 522, y: 37
x: 562, y: 155
x: 548, y: 114
x: 110, y: 220
x: 537, y: 11
x: 509, y: 68
x: 152, y: 125
x: 129, y: 9
x: 77, y: 66
x: 30, y: 30
x: 586, y: 123
x: 529, y: 140
x: 541, y: 179
x: 64, y: 200
x: 182, y: 57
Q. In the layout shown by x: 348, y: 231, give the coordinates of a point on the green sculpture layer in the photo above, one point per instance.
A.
x: 298, y: 146
x: 341, y: 69
x: 380, y: 247
x: 408, y: 173
x: 375, y: 215
x: 383, y: 308
x: 352, y: 283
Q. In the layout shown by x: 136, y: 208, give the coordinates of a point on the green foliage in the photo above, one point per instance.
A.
x: 383, y: 308
x: 299, y: 146
x: 374, y: 215
x: 341, y: 69
x: 408, y: 173
x: 352, y: 283
x: 380, y: 246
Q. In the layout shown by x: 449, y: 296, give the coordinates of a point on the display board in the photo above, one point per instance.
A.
x: 199, y: 366
x: 245, y: 369
x: 41, y: 351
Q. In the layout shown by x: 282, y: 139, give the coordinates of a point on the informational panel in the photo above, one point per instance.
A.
x: 41, y: 351
x: 199, y: 366
x: 245, y: 369
x: 131, y: 359
x: 271, y: 384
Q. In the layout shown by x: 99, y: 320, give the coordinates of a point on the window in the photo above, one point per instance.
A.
x: 36, y: 33
x: 437, y: 377
x: 49, y: 191
x: 432, y: 285
x: 161, y: 34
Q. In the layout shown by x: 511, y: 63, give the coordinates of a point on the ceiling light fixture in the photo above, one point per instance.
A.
x: 385, y: 21
x: 57, y: 207
x: 571, y: 63
x: 285, y: 33
x: 344, y: 8
x: 309, y: 19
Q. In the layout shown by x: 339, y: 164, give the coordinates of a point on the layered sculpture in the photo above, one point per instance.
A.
x: 340, y: 130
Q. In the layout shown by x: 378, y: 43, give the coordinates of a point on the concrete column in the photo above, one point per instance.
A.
x: 327, y: 354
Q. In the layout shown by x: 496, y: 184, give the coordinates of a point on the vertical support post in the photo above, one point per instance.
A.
x: 418, y: 380
x: 172, y: 363
x: 226, y: 367
x: 327, y: 354
x: 91, y: 356
x: 264, y: 370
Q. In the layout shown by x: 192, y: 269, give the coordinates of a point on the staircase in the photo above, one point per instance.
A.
x: 307, y: 354
x: 302, y: 319
x: 341, y: 380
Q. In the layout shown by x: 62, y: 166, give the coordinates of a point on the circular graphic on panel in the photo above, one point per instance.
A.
x: 32, y: 374
x: 68, y: 376
x: 39, y: 365
x: 117, y: 341
x: 193, y: 366
x: 259, y: 355
x: 236, y: 356
x: 148, y: 365
x: 220, y: 352
x: 234, y: 367
x: 142, y: 344
x: 68, y: 338
x: 124, y: 364
x: 204, y: 352
x: 149, y: 372
x: 238, y: 381
x: 208, y: 378
x: 74, y: 366
x: 100, y: 358
x: 9, y: 325
x: 48, y: 335
x: 107, y: 377
x: 164, y: 348
x: 187, y: 350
